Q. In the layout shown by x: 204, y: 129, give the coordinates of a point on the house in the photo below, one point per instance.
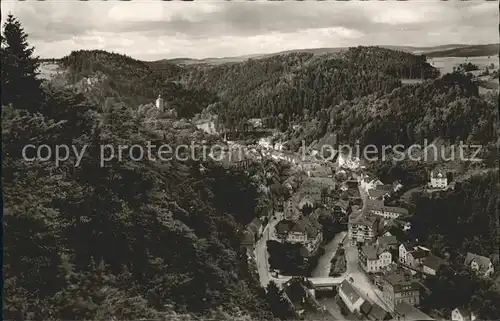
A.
x: 305, y: 230
x: 406, y: 226
x: 362, y: 227
x: 412, y: 255
x: 373, y: 258
x: 235, y: 158
x: 377, y: 207
x: 432, y: 264
x: 255, y: 227
x: 407, y: 312
x: 462, y: 314
x: 284, y: 227
x: 247, y: 239
x: 375, y: 194
x: 388, y: 241
x: 397, y: 186
x: 372, y: 184
x: 374, y: 312
x: 352, y: 184
x: 416, y: 256
x: 351, y: 296
x: 438, y: 179
x: 256, y: 122
x: 479, y: 264
x: 265, y: 143
x: 399, y: 286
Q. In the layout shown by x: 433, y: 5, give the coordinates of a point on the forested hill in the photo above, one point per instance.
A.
x: 135, y: 82
x: 290, y: 84
x: 135, y: 238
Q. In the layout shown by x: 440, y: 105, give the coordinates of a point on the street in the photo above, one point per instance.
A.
x: 360, y: 280
x: 261, y: 254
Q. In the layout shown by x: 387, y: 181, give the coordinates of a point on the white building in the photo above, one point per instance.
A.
x: 351, y: 296
x: 362, y: 227
x: 159, y: 103
x: 374, y: 258
x: 462, y: 314
x: 377, y: 207
x: 438, y: 180
x: 479, y: 264
x: 265, y: 143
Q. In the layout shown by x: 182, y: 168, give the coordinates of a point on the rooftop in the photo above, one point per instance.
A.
x: 482, y: 261
x: 247, y: 238
x: 466, y: 313
x: 399, y: 277
x: 419, y: 253
x: 379, y: 205
x: 408, y: 312
x: 372, y: 251
x: 350, y: 291
x: 385, y: 187
x: 361, y: 218
x: 385, y: 241
x: 306, y: 225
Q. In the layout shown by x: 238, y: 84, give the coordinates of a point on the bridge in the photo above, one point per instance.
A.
x: 317, y: 282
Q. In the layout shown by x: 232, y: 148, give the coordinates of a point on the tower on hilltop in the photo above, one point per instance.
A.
x: 160, y: 102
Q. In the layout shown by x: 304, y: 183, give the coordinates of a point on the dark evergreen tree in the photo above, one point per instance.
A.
x: 20, y: 85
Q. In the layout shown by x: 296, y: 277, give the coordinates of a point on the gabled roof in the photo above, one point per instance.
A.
x: 376, y: 193
x: 434, y: 262
x: 399, y: 277
x: 365, y: 308
x: 482, y: 261
x: 309, y: 226
x: 372, y: 251
x: 350, y: 292
x: 255, y: 225
x: 379, y: 205
x: 438, y: 174
x: 247, y: 238
x: 284, y: 226
x: 386, y: 241
x: 362, y: 218
x: 377, y: 313
x: 385, y: 188
x: 465, y: 313
x: 410, y: 313
x: 419, y: 253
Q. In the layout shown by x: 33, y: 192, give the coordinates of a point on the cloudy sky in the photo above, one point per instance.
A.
x: 153, y: 30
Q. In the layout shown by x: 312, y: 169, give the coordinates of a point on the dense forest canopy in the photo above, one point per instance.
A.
x: 129, y: 240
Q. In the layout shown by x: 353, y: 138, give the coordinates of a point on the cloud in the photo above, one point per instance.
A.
x: 156, y: 30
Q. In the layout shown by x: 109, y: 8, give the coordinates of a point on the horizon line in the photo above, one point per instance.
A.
x: 250, y: 55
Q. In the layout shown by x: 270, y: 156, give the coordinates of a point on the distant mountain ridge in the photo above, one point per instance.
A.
x: 450, y: 50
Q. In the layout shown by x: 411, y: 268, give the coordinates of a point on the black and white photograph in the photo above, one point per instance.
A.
x: 250, y: 160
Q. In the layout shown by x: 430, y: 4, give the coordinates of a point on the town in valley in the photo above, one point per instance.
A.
x: 269, y: 206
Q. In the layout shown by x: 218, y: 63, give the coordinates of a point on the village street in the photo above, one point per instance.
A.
x: 261, y: 254
x: 359, y: 278
x: 354, y: 270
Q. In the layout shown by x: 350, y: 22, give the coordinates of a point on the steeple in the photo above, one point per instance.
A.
x: 159, y: 102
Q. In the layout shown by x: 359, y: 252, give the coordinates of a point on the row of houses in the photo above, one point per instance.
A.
x: 400, y: 291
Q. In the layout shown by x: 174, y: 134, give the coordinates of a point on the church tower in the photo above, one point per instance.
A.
x: 159, y: 103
